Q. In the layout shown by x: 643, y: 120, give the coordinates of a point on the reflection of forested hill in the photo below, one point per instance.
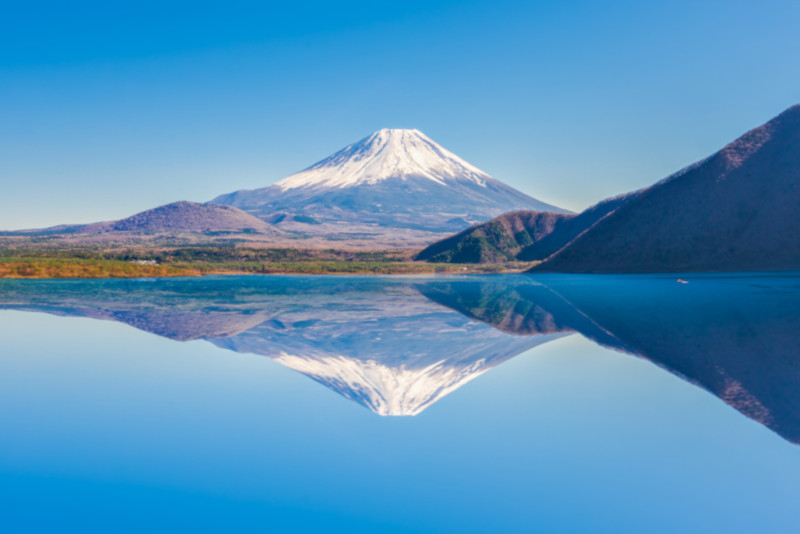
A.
x: 738, y: 337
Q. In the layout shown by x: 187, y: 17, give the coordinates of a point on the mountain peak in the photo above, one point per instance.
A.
x: 398, y: 131
x: 387, y: 153
x: 395, y: 185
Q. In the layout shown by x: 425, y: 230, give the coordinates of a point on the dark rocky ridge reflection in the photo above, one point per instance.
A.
x: 736, y: 336
x: 397, y: 345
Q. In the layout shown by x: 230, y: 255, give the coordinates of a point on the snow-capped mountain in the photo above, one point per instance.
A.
x: 383, y: 155
x: 393, y: 181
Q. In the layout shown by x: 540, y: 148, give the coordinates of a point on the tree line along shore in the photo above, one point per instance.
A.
x: 25, y: 262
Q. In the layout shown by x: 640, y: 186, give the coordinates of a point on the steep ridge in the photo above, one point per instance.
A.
x: 568, y: 229
x: 734, y: 211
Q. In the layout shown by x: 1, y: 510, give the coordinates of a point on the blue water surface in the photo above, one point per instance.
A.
x: 400, y: 404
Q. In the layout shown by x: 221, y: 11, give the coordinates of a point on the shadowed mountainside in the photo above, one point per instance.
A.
x: 569, y: 228
x: 734, y: 211
x: 519, y: 235
x: 498, y: 240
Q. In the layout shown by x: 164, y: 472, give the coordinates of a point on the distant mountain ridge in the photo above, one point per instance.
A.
x: 734, y: 210
x: 184, y: 216
x: 393, y: 189
x: 172, y: 219
x: 392, y: 179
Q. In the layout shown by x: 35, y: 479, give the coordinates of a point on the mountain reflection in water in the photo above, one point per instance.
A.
x: 396, y: 345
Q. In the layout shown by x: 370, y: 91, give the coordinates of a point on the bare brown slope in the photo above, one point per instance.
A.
x: 500, y: 239
x: 184, y: 217
x: 736, y: 210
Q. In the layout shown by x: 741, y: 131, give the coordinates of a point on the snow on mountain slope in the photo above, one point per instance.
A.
x: 386, y: 154
x: 389, y: 182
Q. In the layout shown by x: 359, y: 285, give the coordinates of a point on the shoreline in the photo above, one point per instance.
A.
x: 74, y: 268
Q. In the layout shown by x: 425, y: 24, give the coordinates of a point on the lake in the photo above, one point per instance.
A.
x: 465, y: 404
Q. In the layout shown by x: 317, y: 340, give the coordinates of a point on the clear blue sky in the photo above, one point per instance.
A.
x: 106, y: 110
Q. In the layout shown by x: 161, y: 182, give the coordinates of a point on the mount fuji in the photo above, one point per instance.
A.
x: 392, y: 183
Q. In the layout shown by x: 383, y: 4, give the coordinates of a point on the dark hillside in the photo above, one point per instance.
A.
x: 498, y: 240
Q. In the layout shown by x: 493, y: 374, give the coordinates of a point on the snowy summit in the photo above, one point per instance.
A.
x: 388, y: 153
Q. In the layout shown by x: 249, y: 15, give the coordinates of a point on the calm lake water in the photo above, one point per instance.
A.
x: 401, y: 404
